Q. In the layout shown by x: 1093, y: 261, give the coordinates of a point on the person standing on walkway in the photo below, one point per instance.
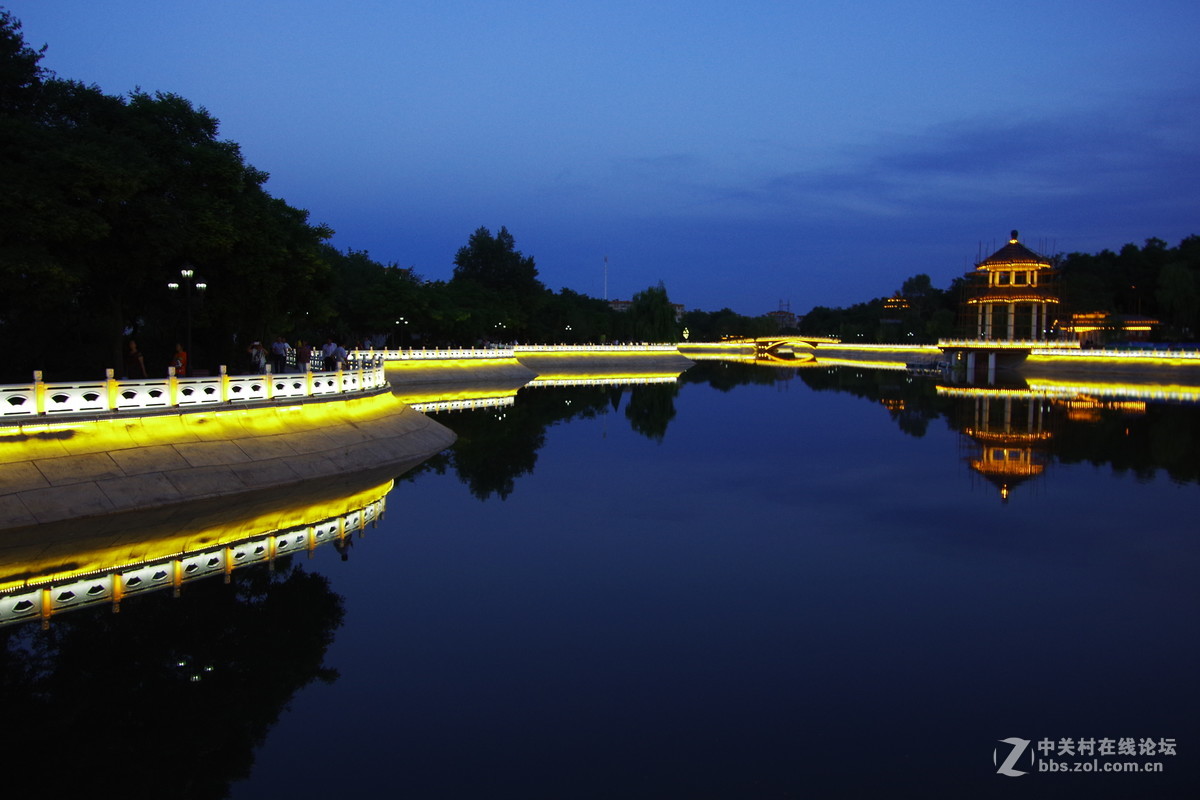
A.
x: 279, y: 351
x: 135, y: 364
x: 180, y: 361
x: 327, y: 350
x: 303, y: 355
x: 258, y: 359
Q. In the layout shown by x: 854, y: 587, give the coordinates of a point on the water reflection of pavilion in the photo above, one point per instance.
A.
x: 1011, y: 429
x: 1009, y: 434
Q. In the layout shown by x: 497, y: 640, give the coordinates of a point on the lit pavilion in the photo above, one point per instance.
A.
x: 1014, y: 294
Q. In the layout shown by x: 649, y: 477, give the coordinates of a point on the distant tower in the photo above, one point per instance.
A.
x: 1013, y: 294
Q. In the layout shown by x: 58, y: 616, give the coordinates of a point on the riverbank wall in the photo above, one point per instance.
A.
x: 58, y: 470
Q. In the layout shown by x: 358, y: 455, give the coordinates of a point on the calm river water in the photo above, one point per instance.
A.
x: 755, y: 583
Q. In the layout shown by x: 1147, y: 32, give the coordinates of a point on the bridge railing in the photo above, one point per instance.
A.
x: 41, y: 400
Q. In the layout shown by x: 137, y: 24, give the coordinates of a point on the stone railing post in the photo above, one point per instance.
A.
x: 224, y: 384
x: 270, y: 379
x: 172, y: 388
x: 111, y: 387
x: 39, y: 393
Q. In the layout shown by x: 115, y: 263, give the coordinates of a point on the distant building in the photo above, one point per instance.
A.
x: 624, y: 305
x: 1013, y: 295
x: 783, y: 318
x: 1093, y: 328
x: 893, y: 307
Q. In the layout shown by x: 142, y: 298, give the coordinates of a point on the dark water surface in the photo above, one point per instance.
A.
x: 756, y: 583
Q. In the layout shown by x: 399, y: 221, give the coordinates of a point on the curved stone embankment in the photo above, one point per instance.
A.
x: 1186, y: 373
x: 898, y: 355
x: 71, y: 470
x: 458, y: 370
x: 566, y: 364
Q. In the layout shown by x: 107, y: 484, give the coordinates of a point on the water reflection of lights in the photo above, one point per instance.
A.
x: 602, y: 380
x: 841, y: 362
x: 1065, y: 390
x: 464, y: 404
x: 39, y: 586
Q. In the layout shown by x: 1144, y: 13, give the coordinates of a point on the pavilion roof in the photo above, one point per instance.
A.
x: 1013, y: 253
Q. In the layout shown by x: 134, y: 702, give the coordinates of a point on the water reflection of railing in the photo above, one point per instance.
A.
x: 608, y: 380
x: 45, y: 595
x: 463, y: 404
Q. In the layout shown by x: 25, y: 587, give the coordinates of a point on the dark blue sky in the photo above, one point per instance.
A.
x: 748, y: 153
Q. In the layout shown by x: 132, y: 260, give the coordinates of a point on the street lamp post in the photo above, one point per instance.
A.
x: 190, y: 281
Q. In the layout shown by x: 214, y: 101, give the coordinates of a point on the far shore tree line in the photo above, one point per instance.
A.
x: 1154, y: 281
x: 107, y: 198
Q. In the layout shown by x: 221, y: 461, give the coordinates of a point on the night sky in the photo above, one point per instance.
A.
x: 749, y: 153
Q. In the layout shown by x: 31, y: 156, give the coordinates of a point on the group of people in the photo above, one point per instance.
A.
x: 281, y: 356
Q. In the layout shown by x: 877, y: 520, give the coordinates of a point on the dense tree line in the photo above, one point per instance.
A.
x: 106, y: 198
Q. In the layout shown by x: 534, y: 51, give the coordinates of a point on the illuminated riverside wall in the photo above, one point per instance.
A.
x: 63, y: 469
x: 1044, y: 360
x: 522, y: 364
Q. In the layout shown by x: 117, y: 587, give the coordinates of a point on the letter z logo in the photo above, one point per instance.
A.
x: 1018, y: 747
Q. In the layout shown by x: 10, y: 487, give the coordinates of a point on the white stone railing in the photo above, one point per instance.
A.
x: 509, y: 352
x: 1132, y: 355
x: 598, y: 348
x: 40, y: 400
x: 1008, y: 344
x: 434, y: 354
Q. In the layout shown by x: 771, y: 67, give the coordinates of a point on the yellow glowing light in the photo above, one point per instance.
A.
x: 447, y: 363
x: 1004, y: 467
x: 1117, y: 358
x: 865, y: 364
x: 53, y: 563
x: 434, y: 394
x: 20, y: 443
x: 617, y: 377
x: 654, y: 350
x: 1012, y: 298
x: 1033, y: 345
x: 1010, y: 437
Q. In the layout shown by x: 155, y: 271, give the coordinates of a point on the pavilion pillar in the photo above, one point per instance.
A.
x: 987, y: 326
x: 991, y: 379
x: 1012, y: 321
